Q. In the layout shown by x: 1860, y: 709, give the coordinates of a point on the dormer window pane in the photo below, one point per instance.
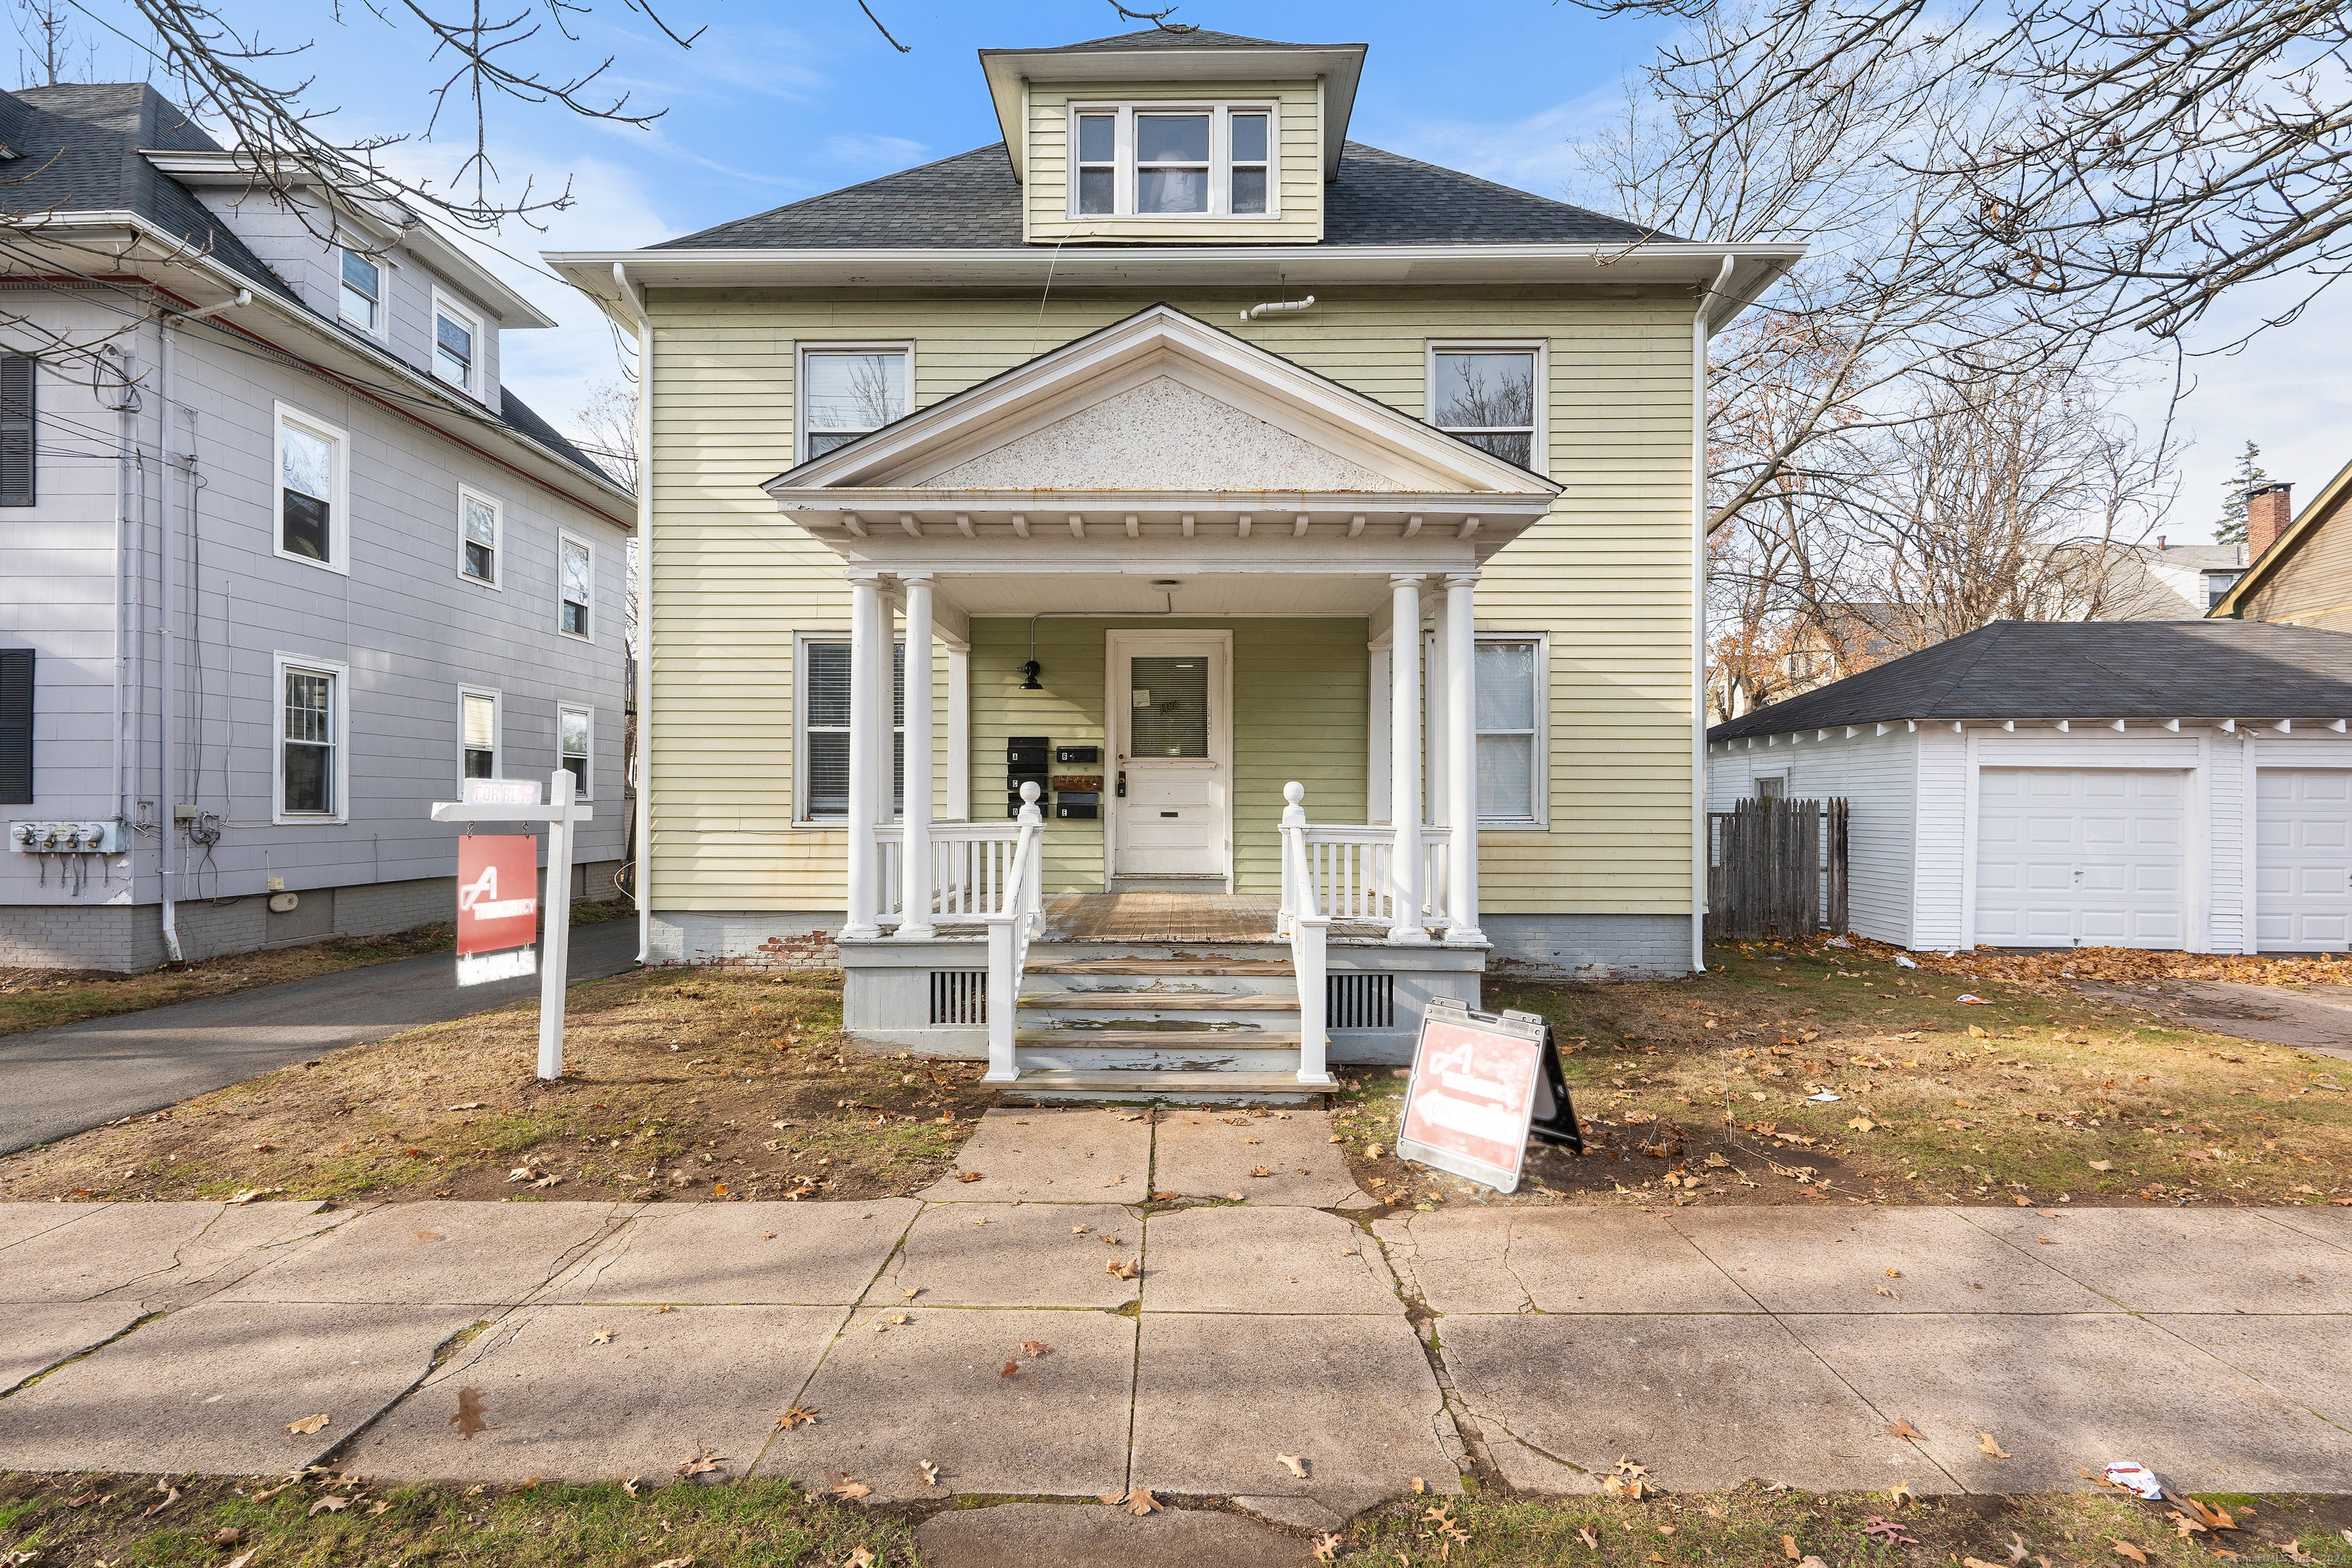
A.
x: 453, y: 351
x: 1098, y: 163
x: 1098, y: 138
x: 1172, y: 163
x: 362, y: 291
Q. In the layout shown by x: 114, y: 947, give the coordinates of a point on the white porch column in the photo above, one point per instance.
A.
x: 915, y: 840
x: 1378, y: 749
x: 869, y: 671
x: 1404, y: 756
x: 1462, y: 754
x: 958, y: 781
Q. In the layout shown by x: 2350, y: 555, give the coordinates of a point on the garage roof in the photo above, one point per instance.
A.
x: 2099, y: 670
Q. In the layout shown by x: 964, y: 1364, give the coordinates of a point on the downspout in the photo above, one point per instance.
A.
x: 166, y: 799
x: 124, y: 438
x: 1698, y: 615
x: 644, y: 611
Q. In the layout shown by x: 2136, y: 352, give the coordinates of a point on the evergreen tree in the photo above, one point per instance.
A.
x: 2232, y: 528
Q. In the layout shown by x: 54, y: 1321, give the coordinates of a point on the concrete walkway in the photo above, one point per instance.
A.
x: 1028, y: 1333
x: 64, y: 1080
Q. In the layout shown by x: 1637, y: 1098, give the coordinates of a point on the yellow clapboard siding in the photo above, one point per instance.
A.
x: 1607, y: 577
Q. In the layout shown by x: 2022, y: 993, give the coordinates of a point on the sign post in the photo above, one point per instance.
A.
x: 1481, y: 1083
x: 496, y: 876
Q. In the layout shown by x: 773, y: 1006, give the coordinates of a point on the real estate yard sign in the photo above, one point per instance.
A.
x: 497, y: 906
x: 1481, y: 1083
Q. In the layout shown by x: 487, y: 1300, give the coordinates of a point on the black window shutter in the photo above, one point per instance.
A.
x: 16, y: 430
x: 15, y: 726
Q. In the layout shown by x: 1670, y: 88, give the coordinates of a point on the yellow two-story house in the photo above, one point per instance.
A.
x: 1166, y: 597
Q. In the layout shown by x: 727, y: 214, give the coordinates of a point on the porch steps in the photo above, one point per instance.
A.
x: 1107, y: 999
x: 1213, y: 1087
x: 1203, y: 1028
x: 1158, y: 1039
x: 1230, y: 967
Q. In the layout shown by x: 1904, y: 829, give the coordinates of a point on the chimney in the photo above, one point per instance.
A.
x: 2159, y: 543
x: 2268, y: 511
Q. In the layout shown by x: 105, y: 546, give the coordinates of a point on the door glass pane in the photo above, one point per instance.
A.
x: 1249, y: 138
x: 854, y: 391
x: 1168, y: 707
x: 1506, y: 776
x: 1506, y: 685
x: 1098, y: 134
x: 1171, y: 138
x: 1484, y: 391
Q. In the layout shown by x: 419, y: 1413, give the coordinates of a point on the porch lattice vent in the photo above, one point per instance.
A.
x: 958, y: 996
x: 1359, y: 1001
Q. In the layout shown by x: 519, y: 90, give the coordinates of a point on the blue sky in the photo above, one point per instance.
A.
x: 777, y: 102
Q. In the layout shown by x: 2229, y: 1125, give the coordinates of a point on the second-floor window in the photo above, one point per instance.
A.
x: 362, y: 293
x: 1486, y: 394
x: 478, y: 719
x: 847, y: 392
x: 457, y: 345
x: 1152, y: 159
x: 313, y: 485
x: 579, y: 572
x: 479, y: 524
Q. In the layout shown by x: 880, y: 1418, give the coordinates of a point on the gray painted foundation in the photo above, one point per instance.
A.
x: 1590, y: 947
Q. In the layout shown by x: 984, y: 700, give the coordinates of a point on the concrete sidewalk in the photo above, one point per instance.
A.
x: 989, y: 1329
x: 78, y: 1075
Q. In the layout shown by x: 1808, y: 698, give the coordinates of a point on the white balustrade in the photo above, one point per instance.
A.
x: 1309, y: 928
x: 1347, y: 867
x: 971, y: 869
x: 1009, y: 930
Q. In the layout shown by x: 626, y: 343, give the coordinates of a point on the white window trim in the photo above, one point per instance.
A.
x: 1540, y: 785
x: 1220, y: 111
x: 498, y: 732
x: 339, y: 518
x: 562, y: 538
x: 588, y: 763
x: 1539, y: 454
x: 498, y: 577
x: 800, y: 380
x: 800, y: 818
x: 279, y: 663
x: 445, y: 305
x: 382, y: 330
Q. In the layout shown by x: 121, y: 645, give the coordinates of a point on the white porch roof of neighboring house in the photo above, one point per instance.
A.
x: 1160, y: 446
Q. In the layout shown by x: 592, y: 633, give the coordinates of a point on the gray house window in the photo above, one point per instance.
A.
x: 307, y: 476
x: 579, y: 580
x: 572, y: 727
x: 16, y: 430
x: 362, y: 295
x: 481, y: 737
x: 307, y: 754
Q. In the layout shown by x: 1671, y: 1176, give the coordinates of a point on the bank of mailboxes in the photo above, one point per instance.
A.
x: 1026, y: 760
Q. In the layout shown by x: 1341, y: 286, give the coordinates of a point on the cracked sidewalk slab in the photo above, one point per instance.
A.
x: 1206, y: 1153
x: 2168, y: 1260
x: 162, y: 1253
x: 211, y: 1389
x: 750, y: 1254
x: 1012, y: 1255
x: 440, y: 1253
x: 40, y: 1337
x: 1286, y: 1260
x: 1880, y: 1260
x: 22, y: 1221
x: 1042, y: 1155
x: 1555, y: 1260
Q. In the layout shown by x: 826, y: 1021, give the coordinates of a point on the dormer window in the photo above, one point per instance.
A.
x: 363, y: 296
x: 456, y: 339
x: 1173, y: 159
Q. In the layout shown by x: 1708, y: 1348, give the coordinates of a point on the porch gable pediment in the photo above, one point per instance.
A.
x: 1164, y: 402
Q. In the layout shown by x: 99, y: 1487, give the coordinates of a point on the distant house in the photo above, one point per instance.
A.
x: 2165, y: 582
x: 2301, y: 563
x: 2137, y: 783
x: 280, y: 560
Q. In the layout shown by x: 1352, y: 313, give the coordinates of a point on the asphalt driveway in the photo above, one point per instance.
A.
x: 56, y: 1082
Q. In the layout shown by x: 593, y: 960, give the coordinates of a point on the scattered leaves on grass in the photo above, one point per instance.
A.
x: 1293, y: 1463
x: 469, y: 1419
x: 308, y: 1425
x: 1986, y: 1444
x: 1905, y: 1430
x: 701, y: 1462
x: 1138, y: 1501
x: 328, y: 1505
x: 2128, y: 1550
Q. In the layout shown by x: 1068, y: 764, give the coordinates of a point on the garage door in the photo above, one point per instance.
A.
x: 2080, y: 855
x: 2303, y: 864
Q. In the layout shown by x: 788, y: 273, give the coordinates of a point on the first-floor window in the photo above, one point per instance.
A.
x: 824, y: 729
x: 1510, y: 680
x: 307, y: 742
x: 572, y: 727
x: 480, y: 723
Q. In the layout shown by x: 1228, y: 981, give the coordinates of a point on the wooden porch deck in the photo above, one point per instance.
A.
x: 1159, y: 917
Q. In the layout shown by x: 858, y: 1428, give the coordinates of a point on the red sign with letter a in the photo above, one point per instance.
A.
x: 497, y: 891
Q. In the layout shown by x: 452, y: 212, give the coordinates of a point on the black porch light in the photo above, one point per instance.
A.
x: 1029, y: 673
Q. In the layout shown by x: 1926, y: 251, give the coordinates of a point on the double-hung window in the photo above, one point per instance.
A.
x: 479, y: 723
x: 1486, y: 394
x: 579, y: 583
x: 480, y: 521
x: 846, y: 392
x: 825, y: 729
x: 1154, y: 160
x: 572, y: 728
x: 2218, y: 585
x: 457, y: 345
x: 362, y: 292
x: 1510, y: 714
x: 313, y: 489
x: 309, y: 731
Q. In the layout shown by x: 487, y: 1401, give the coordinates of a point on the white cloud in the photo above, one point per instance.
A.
x: 1532, y: 154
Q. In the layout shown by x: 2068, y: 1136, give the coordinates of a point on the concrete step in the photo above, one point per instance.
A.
x: 1158, y: 1039
x: 1206, y: 1057
x: 1107, y: 1001
x: 1210, y: 967
x: 1213, y: 1087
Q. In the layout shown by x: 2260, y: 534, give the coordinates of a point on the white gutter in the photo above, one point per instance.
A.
x: 1698, y: 616
x: 645, y: 610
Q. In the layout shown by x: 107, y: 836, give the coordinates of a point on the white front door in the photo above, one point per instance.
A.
x: 2088, y: 857
x: 1171, y: 696
x: 2303, y: 864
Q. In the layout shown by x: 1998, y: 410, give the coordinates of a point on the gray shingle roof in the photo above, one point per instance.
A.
x: 526, y: 420
x: 1161, y: 39
x: 2099, y: 670
x: 972, y: 202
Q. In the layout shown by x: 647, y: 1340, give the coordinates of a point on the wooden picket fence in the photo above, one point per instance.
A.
x: 1776, y: 869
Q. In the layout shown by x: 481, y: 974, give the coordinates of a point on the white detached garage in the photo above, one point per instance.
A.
x: 2159, y: 784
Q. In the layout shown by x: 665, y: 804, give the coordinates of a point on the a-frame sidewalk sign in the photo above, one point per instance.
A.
x: 1481, y: 1082
x: 487, y: 914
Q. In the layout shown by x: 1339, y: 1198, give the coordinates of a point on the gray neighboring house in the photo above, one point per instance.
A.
x: 280, y: 560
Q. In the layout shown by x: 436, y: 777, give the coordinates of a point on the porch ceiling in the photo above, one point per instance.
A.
x: 1118, y: 596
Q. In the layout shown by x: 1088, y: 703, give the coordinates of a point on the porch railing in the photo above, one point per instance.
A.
x: 1009, y: 930
x: 971, y: 869
x: 1346, y: 868
x: 1309, y: 928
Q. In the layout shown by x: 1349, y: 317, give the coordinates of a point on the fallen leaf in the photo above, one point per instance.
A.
x: 930, y: 1472
x: 1986, y: 1444
x: 701, y: 1462
x: 469, y: 1419
x: 630, y: 1486
x: 1347, y: 1252
x: 328, y: 1505
x: 377, y: 1508
x: 798, y: 1416
x: 1012, y: 1369
x: 1122, y: 1269
x: 910, y: 1295
x: 2184, y: 1527
x: 1235, y: 1196
x: 1293, y: 1463
x: 844, y: 1487
x: 171, y: 1495
x: 1035, y: 1348
x: 248, y: 1194
x: 2103, y: 1164
x: 1862, y: 1124
x: 967, y: 1175
x: 1894, y: 1274
x: 1788, y: 1547
x: 1905, y: 1430
x: 1327, y: 1547
x: 1592, y: 1541
x: 1139, y: 1501
x: 1901, y: 1493
x: 242, y: 1558
x: 1811, y: 1561
x: 1420, y: 1487
x: 2214, y: 1518
x: 1260, y: 1170
x: 227, y: 1535
x: 308, y: 1425
x: 1884, y: 1292
x: 1077, y: 1230
x: 601, y: 1337
x: 901, y: 1319
x: 675, y: 1563
x: 2128, y: 1550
